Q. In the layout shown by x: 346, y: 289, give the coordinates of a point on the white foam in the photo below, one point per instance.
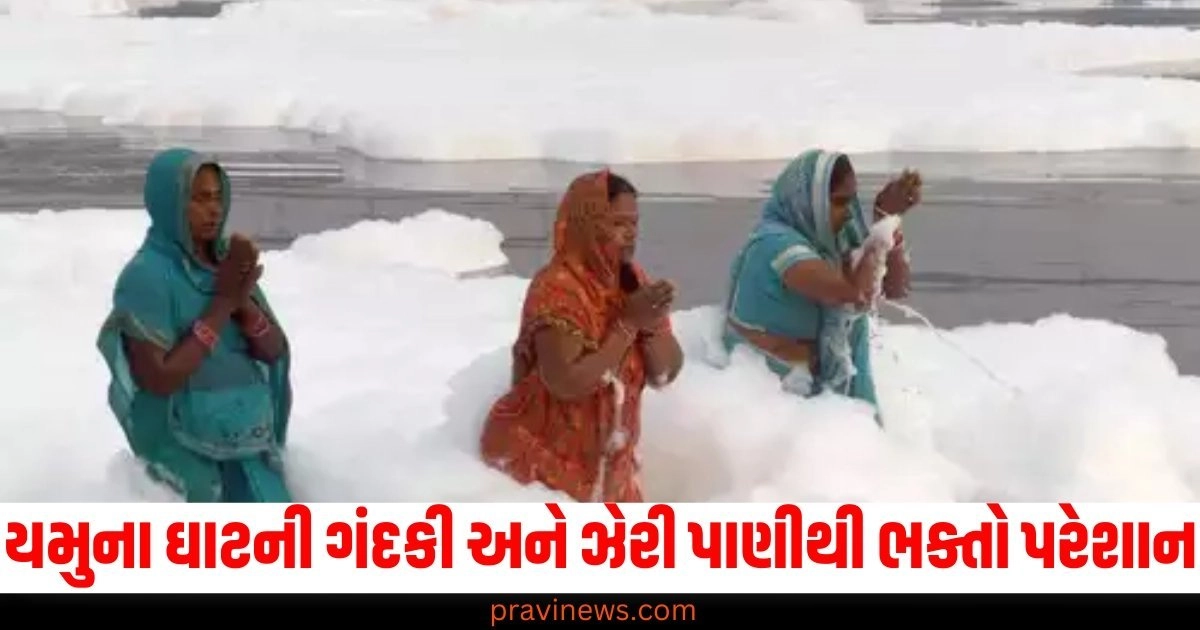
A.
x: 417, y: 242
x: 607, y: 80
x: 397, y: 360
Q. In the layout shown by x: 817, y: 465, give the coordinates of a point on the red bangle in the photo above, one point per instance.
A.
x: 205, y: 334
x: 261, y: 326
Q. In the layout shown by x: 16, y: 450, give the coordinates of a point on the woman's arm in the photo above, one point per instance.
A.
x: 570, y: 373
x: 664, y: 356
x: 266, y: 341
x: 164, y: 372
x: 897, y: 280
x: 829, y: 286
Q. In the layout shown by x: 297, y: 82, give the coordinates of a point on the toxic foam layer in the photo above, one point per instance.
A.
x: 397, y: 360
x: 605, y: 80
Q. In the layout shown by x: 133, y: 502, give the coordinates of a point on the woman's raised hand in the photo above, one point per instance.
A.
x: 900, y: 194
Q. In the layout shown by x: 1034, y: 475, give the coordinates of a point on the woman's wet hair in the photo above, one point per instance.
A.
x: 628, y: 278
x: 841, y: 170
x: 210, y: 166
x: 618, y: 186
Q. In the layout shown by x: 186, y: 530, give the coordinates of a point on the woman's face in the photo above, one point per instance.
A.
x: 619, y: 229
x: 840, y: 198
x: 204, y: 208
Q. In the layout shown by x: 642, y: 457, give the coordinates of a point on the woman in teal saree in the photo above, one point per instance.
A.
x: 794, y: 296
x: 199, y: 364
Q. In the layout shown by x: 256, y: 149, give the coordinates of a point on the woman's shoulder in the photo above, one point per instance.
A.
x: 776, y: 248
x: 777, y: 238
x: 553, y: 279
x: 556, y: 292
x: 148, y: 275
x: 145, y: 268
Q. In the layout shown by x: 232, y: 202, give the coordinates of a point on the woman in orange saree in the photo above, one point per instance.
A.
x: 595, y: 330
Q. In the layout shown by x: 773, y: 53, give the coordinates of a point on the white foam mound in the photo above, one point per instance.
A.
x: 606, y: 80
x: 415, y: 242
x: 397, y: 361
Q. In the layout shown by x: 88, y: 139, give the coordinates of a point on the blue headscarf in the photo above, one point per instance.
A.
x: 800, y: 202
x: 233, y: 406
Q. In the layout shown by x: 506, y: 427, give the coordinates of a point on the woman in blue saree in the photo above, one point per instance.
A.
x: 794, y: 296
x: 198, y: 362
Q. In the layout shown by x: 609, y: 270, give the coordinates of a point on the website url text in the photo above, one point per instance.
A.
x: 554, y: 611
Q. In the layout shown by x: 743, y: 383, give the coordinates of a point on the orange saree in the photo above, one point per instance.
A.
x: 585, y: 448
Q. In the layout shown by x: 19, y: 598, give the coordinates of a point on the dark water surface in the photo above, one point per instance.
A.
x: 1085, y: 12
x: 999, y: 237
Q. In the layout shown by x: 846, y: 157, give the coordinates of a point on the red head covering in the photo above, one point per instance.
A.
x: 579, y: 239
